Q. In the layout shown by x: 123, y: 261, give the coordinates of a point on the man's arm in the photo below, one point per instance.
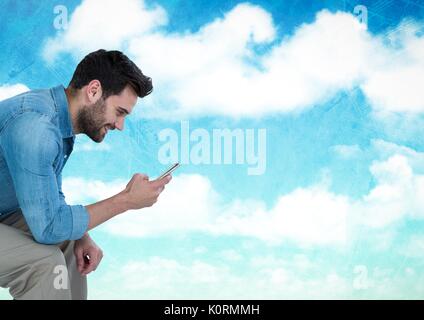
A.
x: 139, y: 193
x: 104, y: 210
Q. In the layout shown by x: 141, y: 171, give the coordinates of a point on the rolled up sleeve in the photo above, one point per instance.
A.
x: 79, y: 214
x: 32, y: 146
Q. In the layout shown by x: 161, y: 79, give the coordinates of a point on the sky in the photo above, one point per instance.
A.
x: 326, y: 99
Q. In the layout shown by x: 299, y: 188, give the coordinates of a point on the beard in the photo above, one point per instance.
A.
x: 91, y: 120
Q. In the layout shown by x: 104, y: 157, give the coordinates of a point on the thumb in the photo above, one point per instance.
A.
x: 161, y: 182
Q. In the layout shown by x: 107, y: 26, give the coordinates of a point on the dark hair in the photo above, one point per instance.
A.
x: 114, y: 70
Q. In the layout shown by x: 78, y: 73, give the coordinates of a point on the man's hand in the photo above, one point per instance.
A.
x: 86, y: 247
x: 141, y: 193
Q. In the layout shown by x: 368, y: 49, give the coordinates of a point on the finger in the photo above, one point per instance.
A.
x: 86, y: 263
x: 90, y: 266
x: 161, y: 182
x: 141, y: 175
x: 93, y: 255
x: 80, y: 259
x: 144, y: 176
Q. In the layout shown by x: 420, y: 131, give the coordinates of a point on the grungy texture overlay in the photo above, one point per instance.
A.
x: 335, y: 209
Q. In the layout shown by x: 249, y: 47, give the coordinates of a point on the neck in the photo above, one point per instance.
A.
x: 74, y: 106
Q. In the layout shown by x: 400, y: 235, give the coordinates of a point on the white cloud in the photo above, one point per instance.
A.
x: 307, y: 216
x: 190, y: 203
x: 395, y: 83
x: 414, y: 248
x: 7, y: 91
x: 270, y: 278
x: 207, y: 71
x: 162, y: 278
x: 216, y: 70
x: 224, y: 81
x: 83, y: 191
x: 104, y: 24
x: 311, y: 216
x: 386, y: 149
x: 397, y: 194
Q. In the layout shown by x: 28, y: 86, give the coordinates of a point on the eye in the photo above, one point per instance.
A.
x: 121, y: 111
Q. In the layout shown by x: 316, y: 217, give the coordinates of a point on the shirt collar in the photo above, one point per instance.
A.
x: 61, y: 103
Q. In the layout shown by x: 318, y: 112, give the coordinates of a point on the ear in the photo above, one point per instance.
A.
x: 94, y: 91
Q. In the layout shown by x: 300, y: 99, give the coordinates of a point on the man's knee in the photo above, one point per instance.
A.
x: 59, y: 278
x: 53, y: 267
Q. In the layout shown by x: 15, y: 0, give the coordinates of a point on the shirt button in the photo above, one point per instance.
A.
x: 65, y: 156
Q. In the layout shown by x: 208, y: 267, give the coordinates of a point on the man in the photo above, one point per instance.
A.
x: 40, y: 235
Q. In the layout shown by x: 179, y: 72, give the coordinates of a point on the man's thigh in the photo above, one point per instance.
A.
x: 17, y: 246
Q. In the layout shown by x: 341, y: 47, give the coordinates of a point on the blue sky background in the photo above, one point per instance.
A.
x: 325, y: 149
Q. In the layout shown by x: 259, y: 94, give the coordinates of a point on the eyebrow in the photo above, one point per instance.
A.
x: 124, y: 110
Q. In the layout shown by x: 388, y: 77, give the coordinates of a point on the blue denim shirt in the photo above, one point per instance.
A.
x: 36, y: 139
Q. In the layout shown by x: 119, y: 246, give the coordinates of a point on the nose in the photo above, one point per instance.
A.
x: 120, y: 124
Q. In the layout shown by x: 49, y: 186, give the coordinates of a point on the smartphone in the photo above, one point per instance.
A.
x: 169, y: 171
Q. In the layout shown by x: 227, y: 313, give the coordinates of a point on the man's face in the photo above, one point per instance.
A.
x: 106, y: 114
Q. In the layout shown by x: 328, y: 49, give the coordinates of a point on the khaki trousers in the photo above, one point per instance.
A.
x: 37, y: 271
